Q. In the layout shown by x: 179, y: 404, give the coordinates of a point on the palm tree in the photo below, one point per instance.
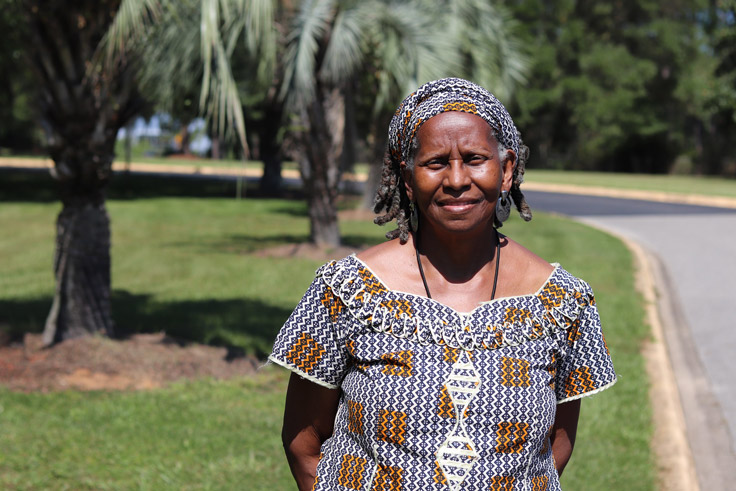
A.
x: 401, y: 44
x: 82, y: 108
x: 329, y: 47
x: 85, y: 57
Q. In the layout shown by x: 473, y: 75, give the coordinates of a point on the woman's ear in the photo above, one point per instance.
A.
x: 408, y: 176
x: 507, y: 167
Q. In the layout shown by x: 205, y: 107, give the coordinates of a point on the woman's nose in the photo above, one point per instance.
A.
x: 457, y: 176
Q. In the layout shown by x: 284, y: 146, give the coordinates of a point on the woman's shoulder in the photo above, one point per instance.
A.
x: 537, y: 273
x: 393, y: 262
x: 383, y: 262
x: 523, y: 272
x: 381, y: 253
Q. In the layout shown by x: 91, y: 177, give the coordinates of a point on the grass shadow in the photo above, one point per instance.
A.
x: 18, y: 317
x: 249, y: 326
x: 28, y: 185
x: 246, y: 244
x: 36, y: 185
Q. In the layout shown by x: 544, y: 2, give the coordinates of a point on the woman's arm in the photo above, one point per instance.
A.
x: 563, y: 433
x: 309, y: 418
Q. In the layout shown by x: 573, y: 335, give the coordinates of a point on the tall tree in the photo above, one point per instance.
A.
x: 84, y: 56
x: 603, y: 90
x: 83, y: 105
x: 708, y: 91
x: 331, y: 44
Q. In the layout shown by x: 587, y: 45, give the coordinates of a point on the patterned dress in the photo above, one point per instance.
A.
x: 434, y: 399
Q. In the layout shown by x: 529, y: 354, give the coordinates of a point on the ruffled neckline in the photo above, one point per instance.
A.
x: 505, y: 321
x: 444, y: 305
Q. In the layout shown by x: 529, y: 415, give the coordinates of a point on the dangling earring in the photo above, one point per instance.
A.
x: 413, y: 217
x: 503, y: 207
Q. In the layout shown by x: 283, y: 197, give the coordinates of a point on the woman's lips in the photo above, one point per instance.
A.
x: 458, y: 205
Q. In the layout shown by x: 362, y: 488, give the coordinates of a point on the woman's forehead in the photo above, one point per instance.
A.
x: 455, y: 126
x: 439, y: 96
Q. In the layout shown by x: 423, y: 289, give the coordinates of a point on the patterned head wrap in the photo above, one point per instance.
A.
x: 432, y: 98
x: 448, y: 94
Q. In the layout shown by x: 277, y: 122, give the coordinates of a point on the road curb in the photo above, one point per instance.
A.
x: 676, y: 470
x: 657, y: 196
x: 186, y: 169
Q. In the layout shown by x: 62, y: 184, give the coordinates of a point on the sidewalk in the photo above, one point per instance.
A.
x: 186, y: 169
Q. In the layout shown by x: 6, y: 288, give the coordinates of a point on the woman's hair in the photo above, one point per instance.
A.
x: 450, y: 94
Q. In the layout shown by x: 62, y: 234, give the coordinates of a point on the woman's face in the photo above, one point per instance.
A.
x: 458, y: 174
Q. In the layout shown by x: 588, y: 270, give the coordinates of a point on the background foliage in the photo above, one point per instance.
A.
x: 626, y: 86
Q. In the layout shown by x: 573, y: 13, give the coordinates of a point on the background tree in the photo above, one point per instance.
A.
x: 84, y: 57
x: 82, y: 105
x: 386, y: 49
x: 708, y: 93
x: 18, y: 130
x: 602, y: 93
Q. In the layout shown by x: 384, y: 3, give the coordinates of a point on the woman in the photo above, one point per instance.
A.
x: 449, y: 357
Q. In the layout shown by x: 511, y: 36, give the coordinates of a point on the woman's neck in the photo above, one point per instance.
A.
x: 458, y: 258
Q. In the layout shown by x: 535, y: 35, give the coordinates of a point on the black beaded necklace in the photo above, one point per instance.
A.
x: 495, y: 276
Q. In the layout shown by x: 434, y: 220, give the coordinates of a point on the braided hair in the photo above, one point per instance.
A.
x: 432, y: 98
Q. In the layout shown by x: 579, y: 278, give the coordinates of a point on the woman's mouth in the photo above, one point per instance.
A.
x: 458, y: 205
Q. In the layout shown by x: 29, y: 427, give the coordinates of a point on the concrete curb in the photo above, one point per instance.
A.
x: 676, y: 470
x: 191, y: 169
x: 658, y: 196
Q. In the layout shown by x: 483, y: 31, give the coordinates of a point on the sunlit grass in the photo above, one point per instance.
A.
x: 193, y: 435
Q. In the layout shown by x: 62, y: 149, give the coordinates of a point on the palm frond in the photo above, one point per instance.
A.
x: 307, y: 32
x: 166, y: 32
x: 492, y: 55
x: 344, y: 54
x: 171, y: 61
x: 407, y: 50
x: 223, y: 22
x: 130, y: 25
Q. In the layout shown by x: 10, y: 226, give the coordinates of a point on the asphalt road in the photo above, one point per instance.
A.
x: 695, y: 247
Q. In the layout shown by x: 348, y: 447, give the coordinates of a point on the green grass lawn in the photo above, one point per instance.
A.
x: 184, y: 261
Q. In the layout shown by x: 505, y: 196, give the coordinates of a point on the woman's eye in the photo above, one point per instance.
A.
x: 476, y: 159
x: 435, y: 164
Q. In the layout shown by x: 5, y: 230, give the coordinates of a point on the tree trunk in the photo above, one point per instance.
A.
x: 83, y: 106
x: 380, y: 135
x: 82, y: 269
x: 270, y: 150
x: 216, y: 147
x: 320, y: 166
x: 322, y: 205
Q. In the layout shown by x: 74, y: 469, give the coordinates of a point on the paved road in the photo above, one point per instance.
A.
x: 696, y: 247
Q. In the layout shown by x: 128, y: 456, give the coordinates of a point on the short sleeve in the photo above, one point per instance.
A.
x: 585, y: 366
x: 312, y: 341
